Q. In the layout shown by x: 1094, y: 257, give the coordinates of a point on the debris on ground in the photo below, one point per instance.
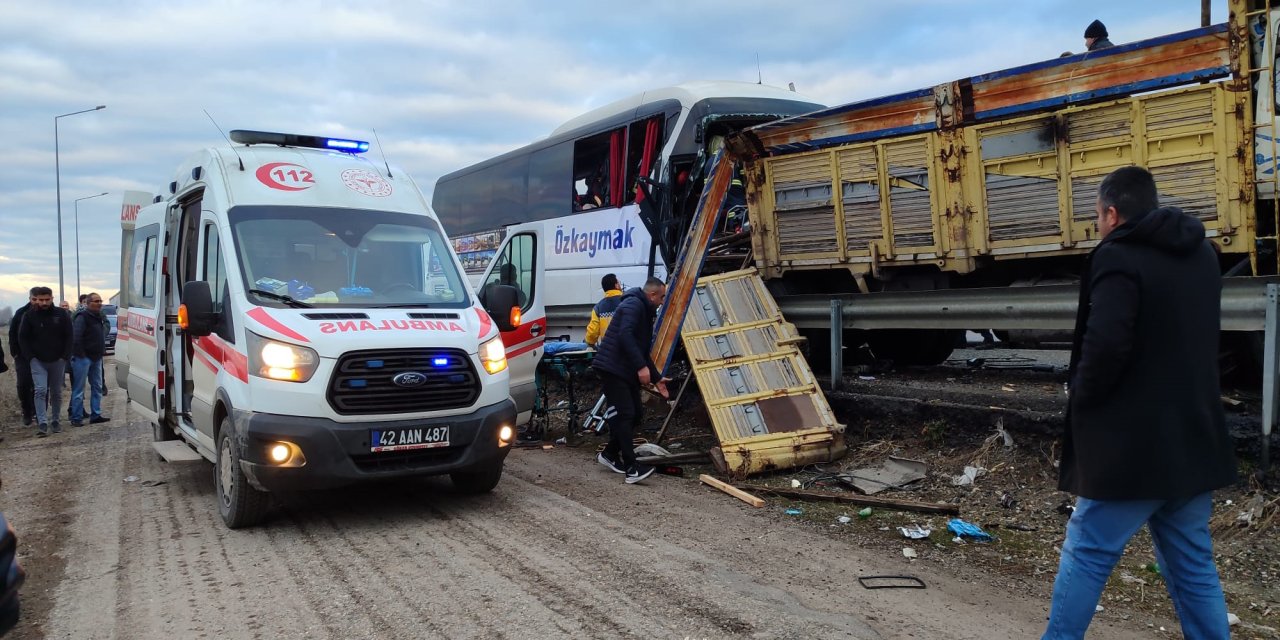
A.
x: 970, y: 474
x: 852, y: 498
x: 964, y: 529
x: 915, y: 532
x: 908, y: 552
x: 893, y: 473
x: 131, y: 478
x: 732, y: 490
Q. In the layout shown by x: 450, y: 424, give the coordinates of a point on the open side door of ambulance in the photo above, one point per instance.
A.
x: 144, y: 376
x: 518, y: 263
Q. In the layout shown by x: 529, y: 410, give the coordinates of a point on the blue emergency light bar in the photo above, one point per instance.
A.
x: 247, y: 137
x: 440, y: 362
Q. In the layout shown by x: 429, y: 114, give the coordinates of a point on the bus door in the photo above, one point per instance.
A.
x: 145, y: 374
x: 517, y: 264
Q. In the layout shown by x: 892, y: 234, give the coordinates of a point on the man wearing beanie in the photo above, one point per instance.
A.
x: 1095, y: 36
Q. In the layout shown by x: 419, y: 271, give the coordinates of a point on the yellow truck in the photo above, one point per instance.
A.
x: 991, y: 180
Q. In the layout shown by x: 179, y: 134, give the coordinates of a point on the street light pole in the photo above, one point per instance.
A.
x: 57, y: 181
x: 77, y: 202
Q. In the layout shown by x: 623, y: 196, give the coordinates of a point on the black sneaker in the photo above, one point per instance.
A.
x: 608, y: 462
x: 638, y: 472
x: 77, y: 423
x: 27, y: 420
x: 56, y: 428
x: 42, y: 430
x: 99, y: 420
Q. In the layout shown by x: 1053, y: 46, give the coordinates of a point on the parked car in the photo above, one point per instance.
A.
x: 110, y: 312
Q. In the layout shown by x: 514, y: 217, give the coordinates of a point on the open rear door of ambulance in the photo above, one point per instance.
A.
x: 518, y: 263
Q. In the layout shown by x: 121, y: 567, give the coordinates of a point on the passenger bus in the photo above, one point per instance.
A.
x: 611, y: 191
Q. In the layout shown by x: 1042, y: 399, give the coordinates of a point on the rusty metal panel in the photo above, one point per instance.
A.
x: 764, y: 402
x: 860, y: 198
x: 1020, y: 179
x: 1166, y: 61
x: 1180, y: 58
x: 803, y: 204
x: 908, y: 169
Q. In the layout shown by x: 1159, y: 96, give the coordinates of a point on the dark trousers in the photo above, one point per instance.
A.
x: 26, y: 389
x: 624, y: 395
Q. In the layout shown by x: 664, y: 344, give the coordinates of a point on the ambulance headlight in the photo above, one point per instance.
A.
x: 280, y: 360
x: 493, y: 354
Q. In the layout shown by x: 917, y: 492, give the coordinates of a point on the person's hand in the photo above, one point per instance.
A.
x: 644, y: 376
x: 662, y: 388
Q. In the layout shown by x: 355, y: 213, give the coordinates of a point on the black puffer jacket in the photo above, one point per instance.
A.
x: 624, y: 350
x: 45, y: 334
x: 89, y: 336
x: 1145, y: 419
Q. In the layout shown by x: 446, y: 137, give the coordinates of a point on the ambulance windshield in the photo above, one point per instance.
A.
x: 333, y: 257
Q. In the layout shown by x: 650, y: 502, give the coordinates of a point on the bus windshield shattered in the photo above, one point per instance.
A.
x: 349, y: 258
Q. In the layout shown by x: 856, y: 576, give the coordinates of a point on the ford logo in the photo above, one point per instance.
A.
x: 409, y: 379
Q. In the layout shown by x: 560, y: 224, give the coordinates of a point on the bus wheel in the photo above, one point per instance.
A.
x: 481, y: 479
x: 239, y: 503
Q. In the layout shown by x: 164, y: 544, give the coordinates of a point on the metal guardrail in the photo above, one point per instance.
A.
x: 1244, y: 308
x: 1049, y: 307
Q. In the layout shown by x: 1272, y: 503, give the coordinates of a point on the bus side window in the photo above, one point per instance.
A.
x: 597, y: 170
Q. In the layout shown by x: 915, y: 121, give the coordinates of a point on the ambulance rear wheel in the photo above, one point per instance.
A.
x: 479, y: 480
x: 239, y: 503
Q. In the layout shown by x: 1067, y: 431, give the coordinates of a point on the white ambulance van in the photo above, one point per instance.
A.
x: 297, y: 317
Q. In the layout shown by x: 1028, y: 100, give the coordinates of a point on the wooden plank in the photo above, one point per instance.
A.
x: 176, y: 451
x: 732, y: 490
x: 849, y: 498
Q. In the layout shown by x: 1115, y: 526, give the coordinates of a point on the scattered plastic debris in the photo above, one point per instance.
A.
x: 131, y: 478
x: 844, y: 519
x: 1007, y: 501
x: 675, y: 445
x: 867, y: 378
x: 908, y: 552
x: 1066, y: 508
x: 968, y: 477
x: 562, y: 440
x: 650, y: 449
x: 1008, y: 387
x: 1098, y: 609
x: 964, y: 529
x: 795, y: 484
x: 1232, y: 619
x: 1153, y: 568
x: 915, y: 532
x: 794, y: 511
x: 865, y: 513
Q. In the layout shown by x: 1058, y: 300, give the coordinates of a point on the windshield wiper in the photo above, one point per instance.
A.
x: 404, y: 305
x: 282, y: 298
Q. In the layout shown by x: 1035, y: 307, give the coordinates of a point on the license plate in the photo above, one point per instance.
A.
x: 408, y: 438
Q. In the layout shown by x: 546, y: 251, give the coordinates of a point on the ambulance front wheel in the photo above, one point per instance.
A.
x: 239, y: 504
x: 479, y: 480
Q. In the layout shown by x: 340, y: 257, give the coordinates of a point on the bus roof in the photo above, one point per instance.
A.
x: 687, y: 94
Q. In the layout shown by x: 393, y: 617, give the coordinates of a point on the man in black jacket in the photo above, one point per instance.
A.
x: 45, y: 338
x: 22, y: 363
x: 1145, y: 439
x: 88, y: 346
x: 624, y: 364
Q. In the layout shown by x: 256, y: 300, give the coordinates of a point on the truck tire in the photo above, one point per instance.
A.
x: 239, y: 503
x: 479, y: 480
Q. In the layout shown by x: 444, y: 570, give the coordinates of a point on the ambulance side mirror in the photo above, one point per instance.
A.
x: 502, y: 302
x: 196, y: 316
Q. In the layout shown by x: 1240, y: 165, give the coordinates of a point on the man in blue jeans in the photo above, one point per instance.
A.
x: 45, y: 339
x: 89, y: 345
x: 1145, y: 440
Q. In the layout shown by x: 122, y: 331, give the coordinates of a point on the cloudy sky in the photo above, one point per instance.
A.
x: 445, y: 83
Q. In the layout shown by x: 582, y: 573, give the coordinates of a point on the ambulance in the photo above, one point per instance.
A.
x: 294, y: 314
